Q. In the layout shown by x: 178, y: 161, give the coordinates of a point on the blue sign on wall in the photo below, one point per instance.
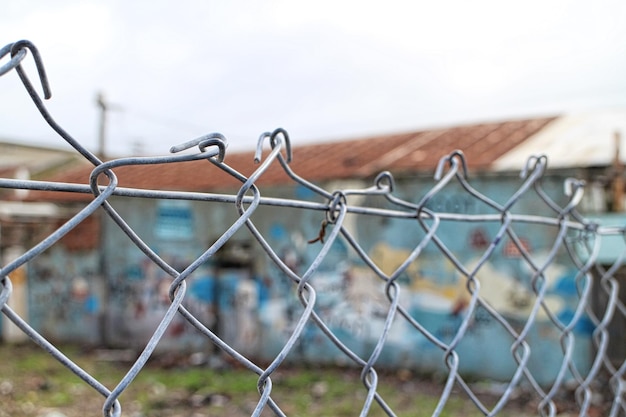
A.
x: 174, y: 220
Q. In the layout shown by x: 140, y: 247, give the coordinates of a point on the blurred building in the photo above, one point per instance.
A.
x: 95, y: 286
x: 23, y: 223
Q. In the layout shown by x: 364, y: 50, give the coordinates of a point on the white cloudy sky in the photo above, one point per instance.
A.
x: 321, y: 69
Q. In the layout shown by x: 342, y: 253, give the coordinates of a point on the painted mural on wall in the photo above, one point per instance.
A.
x: 139, y: 289
x: 352, y: 302
x: 65, y: 294
x: 252, y: 305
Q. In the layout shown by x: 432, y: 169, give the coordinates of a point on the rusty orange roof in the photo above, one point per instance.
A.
x: 401, y: 154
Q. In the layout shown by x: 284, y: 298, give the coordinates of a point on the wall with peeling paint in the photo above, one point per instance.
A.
x: 253, y: 306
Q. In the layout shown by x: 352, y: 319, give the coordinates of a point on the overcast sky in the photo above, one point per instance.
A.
x: 323, y: 70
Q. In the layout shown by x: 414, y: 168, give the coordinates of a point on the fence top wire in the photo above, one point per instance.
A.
x: 573, y: 232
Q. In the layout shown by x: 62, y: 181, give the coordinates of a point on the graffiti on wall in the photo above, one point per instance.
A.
x: 251, y: 307
x: 352, y: 302
x: 140, y: 297
x: 65, y: 295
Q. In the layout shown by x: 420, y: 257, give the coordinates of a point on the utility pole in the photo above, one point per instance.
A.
x: 102, y: 220
x: 104, y: 107
x: 618, y: 179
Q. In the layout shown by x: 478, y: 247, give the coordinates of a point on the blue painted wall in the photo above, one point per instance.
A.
x: 254, y: 306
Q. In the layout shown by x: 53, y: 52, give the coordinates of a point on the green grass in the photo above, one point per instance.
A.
x: 41, y: 383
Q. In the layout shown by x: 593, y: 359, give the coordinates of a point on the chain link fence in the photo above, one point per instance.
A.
x: 577, y: 238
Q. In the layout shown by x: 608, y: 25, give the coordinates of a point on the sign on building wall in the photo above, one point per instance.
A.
x: 174, y: 220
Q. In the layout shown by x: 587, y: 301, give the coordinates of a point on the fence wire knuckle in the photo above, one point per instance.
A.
x: 525, y: 314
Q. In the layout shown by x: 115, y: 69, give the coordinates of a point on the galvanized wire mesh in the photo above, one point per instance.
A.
x: 576, y: 237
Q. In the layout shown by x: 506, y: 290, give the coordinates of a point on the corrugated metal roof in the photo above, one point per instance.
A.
x: 405, y: 153
x: 574, y: 140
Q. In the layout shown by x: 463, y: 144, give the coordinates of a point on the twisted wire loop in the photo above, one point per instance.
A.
x: 573, y: 239
x: 15, y: 59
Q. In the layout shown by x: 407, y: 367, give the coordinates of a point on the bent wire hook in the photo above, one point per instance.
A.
x: 18, y: 51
